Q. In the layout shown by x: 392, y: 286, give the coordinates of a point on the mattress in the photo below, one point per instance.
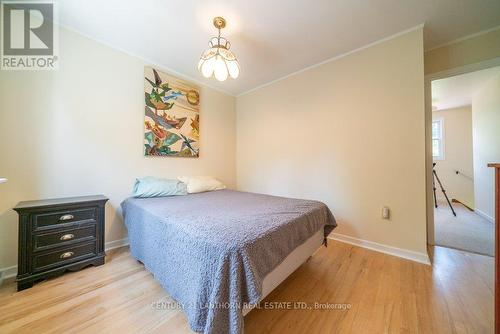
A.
x: 294, y: 260
x: 212, y: 251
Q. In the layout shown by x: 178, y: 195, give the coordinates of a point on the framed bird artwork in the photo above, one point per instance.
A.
x: 172, y: 116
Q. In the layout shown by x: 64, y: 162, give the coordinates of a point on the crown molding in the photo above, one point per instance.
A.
x: 385, y: 39
x: 186, y: 77
x: 464, y: 38
x: 146, y: 60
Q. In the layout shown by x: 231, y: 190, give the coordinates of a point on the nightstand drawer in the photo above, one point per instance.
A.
x: 59, y: 235
x: 53, y: 219
x: 64, y: 256
x: 63, y: 237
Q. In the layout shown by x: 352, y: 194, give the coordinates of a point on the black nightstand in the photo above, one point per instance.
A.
x: 57, y: 235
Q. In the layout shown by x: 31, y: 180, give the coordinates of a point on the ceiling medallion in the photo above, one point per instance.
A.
x: 218, y: 61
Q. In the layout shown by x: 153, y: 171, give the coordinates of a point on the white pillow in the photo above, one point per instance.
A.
x: 198, y: 184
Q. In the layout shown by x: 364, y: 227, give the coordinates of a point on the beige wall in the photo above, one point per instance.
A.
x: 469, y: 51
x: 78, y: 131
x: 458, y: 155
x: 350, y: 133
x: 486, y: 137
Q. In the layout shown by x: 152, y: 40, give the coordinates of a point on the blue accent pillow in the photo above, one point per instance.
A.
x: 150, y: 186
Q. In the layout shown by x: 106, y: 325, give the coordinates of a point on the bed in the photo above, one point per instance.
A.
x: 218, y: 252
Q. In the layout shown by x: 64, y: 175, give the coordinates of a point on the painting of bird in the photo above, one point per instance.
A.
x: 169, y: 103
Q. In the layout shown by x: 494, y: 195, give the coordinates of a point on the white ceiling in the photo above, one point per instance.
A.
x: 459, y: 90
x: 271, y: 38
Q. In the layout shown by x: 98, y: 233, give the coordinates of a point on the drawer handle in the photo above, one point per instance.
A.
x: 66, y: 217
x: 68, y: 236
x: 66, y: 255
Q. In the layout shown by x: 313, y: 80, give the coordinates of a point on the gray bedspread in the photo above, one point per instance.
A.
x: 211, y: 251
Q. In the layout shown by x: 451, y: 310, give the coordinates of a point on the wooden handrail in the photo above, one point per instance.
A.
x: 464, y: 175
x: 497, y: 245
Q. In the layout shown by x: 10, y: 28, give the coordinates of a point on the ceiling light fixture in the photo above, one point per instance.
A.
x: 218, y: 60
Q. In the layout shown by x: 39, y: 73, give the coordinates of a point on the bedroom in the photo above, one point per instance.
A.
x: 320, y: 111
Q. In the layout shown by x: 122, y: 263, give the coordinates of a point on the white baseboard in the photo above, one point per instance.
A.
x: 399, y: 252
x: 9, y: 272
x: 116, y: 244
x: 485, y: 216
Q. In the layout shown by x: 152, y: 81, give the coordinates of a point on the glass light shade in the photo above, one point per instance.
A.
x: 234, y: 69
x: 207, y: 67
x: 219, y: 61
x: 220, y: 69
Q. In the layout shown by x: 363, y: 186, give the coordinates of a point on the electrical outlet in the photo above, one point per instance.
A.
x: 386, y: 212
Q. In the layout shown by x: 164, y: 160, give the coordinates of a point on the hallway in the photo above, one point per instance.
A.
x: 468, y: 231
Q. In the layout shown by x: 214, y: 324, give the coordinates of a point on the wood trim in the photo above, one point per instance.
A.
x: 497, y: 246
x: 454, y: 200
x: 497, y: 249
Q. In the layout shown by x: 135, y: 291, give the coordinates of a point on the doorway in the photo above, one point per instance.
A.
x: 464, y: 176
x: 464, y: 140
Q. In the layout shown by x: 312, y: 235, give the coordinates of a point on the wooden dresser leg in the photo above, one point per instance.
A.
x: 24, y: 285
x: 99, y: 261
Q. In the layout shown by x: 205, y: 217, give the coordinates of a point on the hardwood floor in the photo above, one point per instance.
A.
x: 386, y: 294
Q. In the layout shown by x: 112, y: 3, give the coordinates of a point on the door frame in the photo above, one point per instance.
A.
x: 428, y: 130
